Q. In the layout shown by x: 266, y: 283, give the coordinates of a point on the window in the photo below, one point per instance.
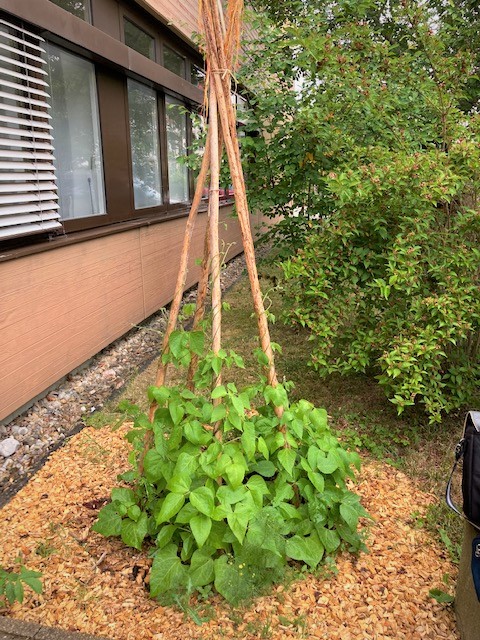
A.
x: 142, y: 103
x: 197, y: 76
x: 79, y: 8
x: 28, y: 198
x: 76, y: 134
x: 173, y: 61
x: 137, y: 39
x: 177, y: 148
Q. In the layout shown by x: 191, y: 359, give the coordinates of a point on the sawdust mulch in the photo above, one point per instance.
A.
x: 96, y: 585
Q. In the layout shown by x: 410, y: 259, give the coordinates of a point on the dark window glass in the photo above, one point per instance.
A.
x: 197, y: 76
x: 137, y: 39
x: 79, y: 8
x: 173, y: 61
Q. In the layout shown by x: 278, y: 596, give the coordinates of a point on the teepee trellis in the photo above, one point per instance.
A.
x: 222, y: 34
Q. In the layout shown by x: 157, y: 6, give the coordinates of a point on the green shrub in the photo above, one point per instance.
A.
x: 391, y: 283
x: 376, y: 167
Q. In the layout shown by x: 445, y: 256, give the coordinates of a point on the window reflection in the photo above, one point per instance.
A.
x: 173, y: 61
x: 197, y: 76
x: 177, y: 148
x: 76, y: 133
x: 137, y: 39
x: 79, y: 8
x: 142, y: 103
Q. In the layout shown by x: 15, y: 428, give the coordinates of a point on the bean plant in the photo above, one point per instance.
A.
x: 12, y: 584
x: 230, y: 493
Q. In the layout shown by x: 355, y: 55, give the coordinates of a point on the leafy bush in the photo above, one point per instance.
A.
x: 391, y: 284
x: 230, y: 492
x: 376, y: 168
x: 12, y: 584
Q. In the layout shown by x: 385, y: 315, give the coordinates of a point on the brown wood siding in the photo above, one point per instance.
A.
x: 59, y: 308
x: 179, y: 15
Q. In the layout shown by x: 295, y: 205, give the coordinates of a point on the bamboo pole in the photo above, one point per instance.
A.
x: 218, y: 63
x: 214, y: 217
x: 222, y: 43
x: 177, y: 299
x: 202, y: 290
x: 214, y: 242
x: 182, y: 270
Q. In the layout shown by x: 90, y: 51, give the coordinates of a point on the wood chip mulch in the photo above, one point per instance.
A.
x: 96, y: 585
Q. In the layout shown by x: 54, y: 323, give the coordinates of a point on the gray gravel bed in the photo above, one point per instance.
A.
x: 26, y: 441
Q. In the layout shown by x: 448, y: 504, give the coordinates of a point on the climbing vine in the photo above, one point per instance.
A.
x: 231, y: 493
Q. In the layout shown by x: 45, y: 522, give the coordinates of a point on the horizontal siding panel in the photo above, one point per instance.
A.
x: 60, y: 307
x: 67, y: 317
x: 27, y: 382
x: 73, y: 273
x: 163, y: 244
x: 183, y: 14
x: 123, y: 306
x: 94, y: 295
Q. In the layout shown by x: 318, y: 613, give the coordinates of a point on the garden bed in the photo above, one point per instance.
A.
x: 97, y: 585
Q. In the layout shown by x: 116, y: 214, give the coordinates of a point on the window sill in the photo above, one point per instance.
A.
x: 92, y: 234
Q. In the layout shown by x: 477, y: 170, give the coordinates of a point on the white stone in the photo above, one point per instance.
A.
x: 8, y: 447
x: 19, y: 431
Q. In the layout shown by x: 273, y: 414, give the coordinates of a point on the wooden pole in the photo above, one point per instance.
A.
x: 214, y: 221
x: 182, y: 270
x: 177, y: 299
x: 221, y: 49
x: 218, y: 62
x: 201, y: 299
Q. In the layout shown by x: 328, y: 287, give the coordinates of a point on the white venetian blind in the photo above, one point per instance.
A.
x: 28, y: 191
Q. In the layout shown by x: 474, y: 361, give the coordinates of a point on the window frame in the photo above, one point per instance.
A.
x: 141, y: 23
x: 188, y: 138
x: 162, y: 204
x: 167, y: 208
x: 180, y: 54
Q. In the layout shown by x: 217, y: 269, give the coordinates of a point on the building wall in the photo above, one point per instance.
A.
x: 182, y: 15
x: 59, y: 308
x: 65, y: 297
